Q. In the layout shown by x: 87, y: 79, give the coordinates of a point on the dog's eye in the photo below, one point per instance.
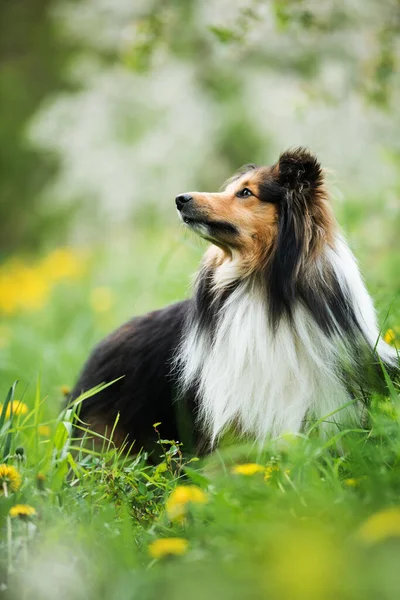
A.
x: 244, y: 193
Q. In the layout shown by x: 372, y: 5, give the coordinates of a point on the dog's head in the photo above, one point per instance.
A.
x: 279, y: 211
x: 275, y: 220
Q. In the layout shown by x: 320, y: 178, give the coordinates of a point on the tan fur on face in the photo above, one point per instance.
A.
x: 255, y: 220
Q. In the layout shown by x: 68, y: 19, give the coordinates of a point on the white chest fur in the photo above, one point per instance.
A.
x: 264, y: 382
x: 269, y: 382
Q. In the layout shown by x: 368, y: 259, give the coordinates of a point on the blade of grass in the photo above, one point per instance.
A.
x: 9, y: 435
x: 9, y: 398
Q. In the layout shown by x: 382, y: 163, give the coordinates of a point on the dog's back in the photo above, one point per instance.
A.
x: 140, y: 353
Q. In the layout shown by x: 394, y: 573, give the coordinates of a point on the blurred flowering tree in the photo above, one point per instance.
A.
x: 362, y: 35
x: 169, y: 95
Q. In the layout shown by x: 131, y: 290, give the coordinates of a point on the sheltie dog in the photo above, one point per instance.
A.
x: 280, y: 331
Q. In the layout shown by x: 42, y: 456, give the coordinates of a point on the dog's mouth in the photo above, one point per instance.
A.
x: 200, y: 226
x: 193, y: 222
x: 209, y: 229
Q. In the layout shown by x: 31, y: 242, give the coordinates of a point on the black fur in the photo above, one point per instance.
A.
x: 330, y: 305
x: 140, y: 352
x: 207, y: 302
x: 270, y: 191
x: 299, y: 177
x: 215, y: 226
x: 222, y: 227
x: 202, y: 306
x: 300, y: 171
x: 282, y: 272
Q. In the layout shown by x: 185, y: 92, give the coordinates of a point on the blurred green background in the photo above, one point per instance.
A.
x: 110, y: 108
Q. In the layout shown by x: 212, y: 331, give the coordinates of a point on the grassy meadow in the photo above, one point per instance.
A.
x: 296, y: 519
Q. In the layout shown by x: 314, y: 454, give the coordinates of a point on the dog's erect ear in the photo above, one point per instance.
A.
x: 299, y: 171
x: 300, y: 176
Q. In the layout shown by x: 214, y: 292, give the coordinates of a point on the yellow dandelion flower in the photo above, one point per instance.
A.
x: 16, y: 407
x: 44, y: 430
x: 22, y: 287
x: 10, y: 477
x: 9, y: 292
x: 351, y: 482
x: 101, y: 299
x: 389, y: 336
x: 173, y: 546
x: 181, y: 497
x: 304, y: 565
x: 23, y: 511
x: 247, y: 469
x: 33, y: 289
x: 381, y: 526
x: 41, y: 481
x: 8, y: 304
x: 62, y: 263
x: 65, y: 390
x: 354, y: 482
x: 28, y: 287
x: 270, y: 470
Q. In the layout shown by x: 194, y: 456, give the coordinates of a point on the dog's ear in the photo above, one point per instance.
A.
x: 300, y: 178
x: 299, y: 171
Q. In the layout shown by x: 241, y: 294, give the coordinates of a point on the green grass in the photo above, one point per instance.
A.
x: 297, y: 533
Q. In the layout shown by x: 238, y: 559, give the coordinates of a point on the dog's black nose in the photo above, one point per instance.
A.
x: 182, y: 199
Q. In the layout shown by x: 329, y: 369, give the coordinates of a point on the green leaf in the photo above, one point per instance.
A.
x: 224, y: 35
x: 196, y: 477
